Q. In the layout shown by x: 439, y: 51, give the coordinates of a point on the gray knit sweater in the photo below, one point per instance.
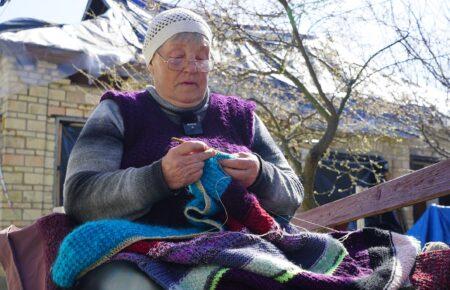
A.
x: 96, y: 187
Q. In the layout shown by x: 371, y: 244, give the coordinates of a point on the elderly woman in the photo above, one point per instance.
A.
x: 124, y: 164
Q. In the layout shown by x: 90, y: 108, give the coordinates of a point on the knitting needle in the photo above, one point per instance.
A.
x: 176, y: 139
x: 179, y: 140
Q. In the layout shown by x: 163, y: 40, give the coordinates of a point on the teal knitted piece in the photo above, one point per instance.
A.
x: 106, y: 238
x: 208, y: 192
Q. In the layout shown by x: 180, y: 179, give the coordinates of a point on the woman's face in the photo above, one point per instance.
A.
x: 184, y: 88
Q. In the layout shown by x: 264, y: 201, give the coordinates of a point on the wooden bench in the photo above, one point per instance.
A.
x: 424, y: 184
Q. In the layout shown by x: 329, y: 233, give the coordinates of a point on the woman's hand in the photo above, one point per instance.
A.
x: 183, y: 164
x: 245, y: 168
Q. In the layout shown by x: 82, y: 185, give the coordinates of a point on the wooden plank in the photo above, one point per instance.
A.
x: 424, y: 184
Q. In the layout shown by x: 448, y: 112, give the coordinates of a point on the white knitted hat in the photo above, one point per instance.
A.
x: 168, y: 23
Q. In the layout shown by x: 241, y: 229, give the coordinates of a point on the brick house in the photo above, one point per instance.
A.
x: 45, y: 102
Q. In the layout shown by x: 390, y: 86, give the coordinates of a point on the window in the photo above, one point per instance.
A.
x: 68, y: 132
x: 339, y: 173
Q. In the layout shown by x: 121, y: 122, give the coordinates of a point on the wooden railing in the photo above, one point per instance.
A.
x: 424, y: 184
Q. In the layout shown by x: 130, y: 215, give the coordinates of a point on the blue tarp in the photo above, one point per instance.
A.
x: 19, y: 24
x: 433, y: 225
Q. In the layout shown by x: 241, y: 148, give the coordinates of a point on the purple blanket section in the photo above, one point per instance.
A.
x: 234, y: 250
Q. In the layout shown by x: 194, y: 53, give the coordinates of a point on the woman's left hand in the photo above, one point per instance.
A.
x: 245, y: 168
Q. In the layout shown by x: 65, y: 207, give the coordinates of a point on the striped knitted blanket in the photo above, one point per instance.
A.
x: 367, y: 259
x: 240, y: 248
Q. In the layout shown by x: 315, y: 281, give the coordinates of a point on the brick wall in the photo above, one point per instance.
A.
x: 30, y: 109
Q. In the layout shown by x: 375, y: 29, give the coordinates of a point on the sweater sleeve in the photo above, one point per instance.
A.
x: 277, y: 186
x: 95, y: 187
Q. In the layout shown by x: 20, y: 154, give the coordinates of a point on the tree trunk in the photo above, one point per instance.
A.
x: 312, y: 162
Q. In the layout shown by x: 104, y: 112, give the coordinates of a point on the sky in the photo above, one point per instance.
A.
x: 56, y: 11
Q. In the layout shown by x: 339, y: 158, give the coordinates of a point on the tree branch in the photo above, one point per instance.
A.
x: 352, y: 81
x: 330, y: 107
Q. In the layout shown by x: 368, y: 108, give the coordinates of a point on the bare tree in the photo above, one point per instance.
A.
x: 422, y: 60
x: 270, y: 46
x: 436, y: 132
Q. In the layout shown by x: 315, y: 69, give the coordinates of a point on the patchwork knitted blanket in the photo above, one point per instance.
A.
x: 233, y: 243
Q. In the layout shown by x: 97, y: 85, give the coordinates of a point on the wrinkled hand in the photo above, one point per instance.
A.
x: 183, y: 164
x: 245, y: 168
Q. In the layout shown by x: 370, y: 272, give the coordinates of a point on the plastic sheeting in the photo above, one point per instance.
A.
x: 433, y: 225
x: 111, y: 39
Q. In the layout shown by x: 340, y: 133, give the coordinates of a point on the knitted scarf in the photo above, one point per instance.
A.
x: 233, y: 243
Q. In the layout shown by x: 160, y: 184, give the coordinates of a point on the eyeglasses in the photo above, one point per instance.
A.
x: 179, y: 64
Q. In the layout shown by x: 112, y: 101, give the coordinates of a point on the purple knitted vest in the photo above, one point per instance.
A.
x: 227, y: 126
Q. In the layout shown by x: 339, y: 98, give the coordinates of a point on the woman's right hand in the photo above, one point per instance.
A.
x: 183, y: 164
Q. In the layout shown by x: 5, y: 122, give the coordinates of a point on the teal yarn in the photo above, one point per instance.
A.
x: 206, y: 203
x: 104, y: 238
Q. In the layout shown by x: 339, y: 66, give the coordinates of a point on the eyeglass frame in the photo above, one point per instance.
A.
x: 210, y: 62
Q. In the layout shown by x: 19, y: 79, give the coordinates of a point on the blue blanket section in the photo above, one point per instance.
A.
x: 433, y: 225
x: 102, y: 238
x: 105, y: 238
